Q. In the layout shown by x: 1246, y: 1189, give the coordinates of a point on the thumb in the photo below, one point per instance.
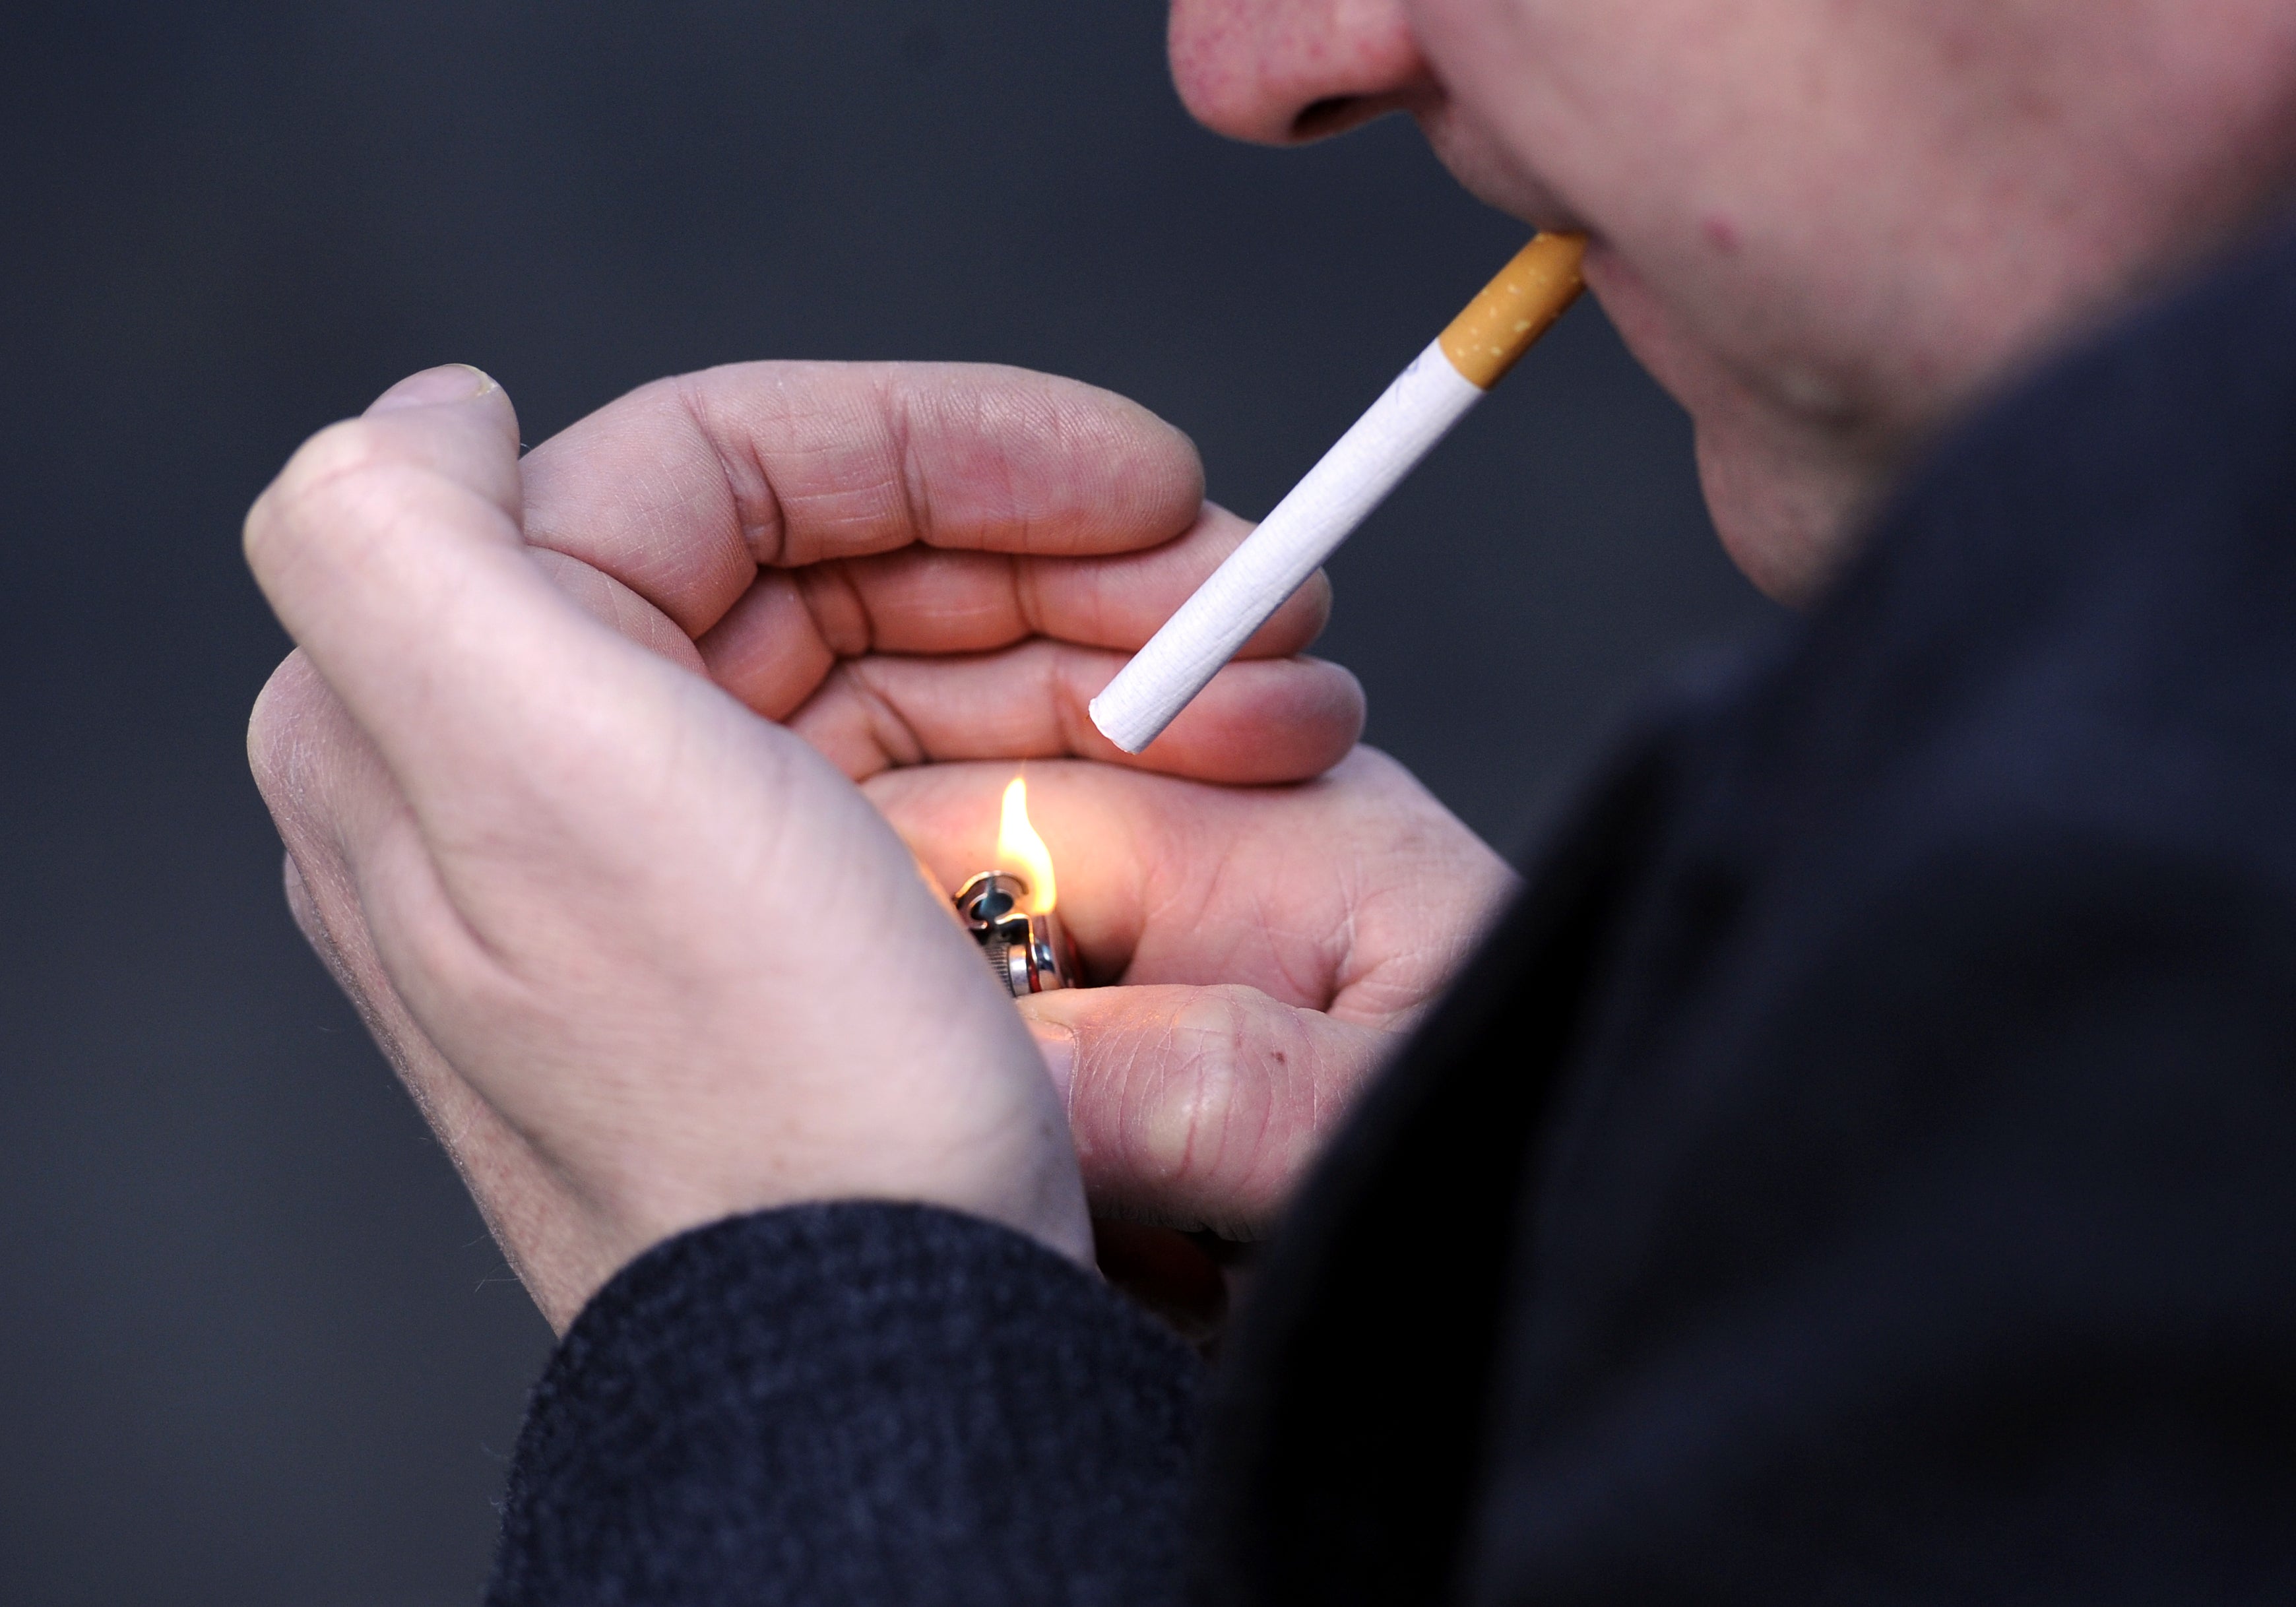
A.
x: 391, y: 547
x: 1198, y: 1107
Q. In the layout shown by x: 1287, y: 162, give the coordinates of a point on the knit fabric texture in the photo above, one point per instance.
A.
x: 855, y: 1403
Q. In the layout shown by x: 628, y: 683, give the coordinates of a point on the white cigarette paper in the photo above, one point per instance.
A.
x: 1427, y: 399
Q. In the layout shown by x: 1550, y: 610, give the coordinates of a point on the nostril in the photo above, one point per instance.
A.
x: 1338, y: 113
x: 1333, y: 114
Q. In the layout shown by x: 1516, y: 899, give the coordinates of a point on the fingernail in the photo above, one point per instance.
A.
x: 1058, y: 1044
x: 434, y: 387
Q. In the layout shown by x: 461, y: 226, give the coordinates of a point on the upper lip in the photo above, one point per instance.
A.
x: 1478, y: 166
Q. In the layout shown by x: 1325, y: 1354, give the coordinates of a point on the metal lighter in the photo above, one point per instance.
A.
x: 1029, y: 954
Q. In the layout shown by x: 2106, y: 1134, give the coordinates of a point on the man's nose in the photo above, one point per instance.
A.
x: 1279, y: 72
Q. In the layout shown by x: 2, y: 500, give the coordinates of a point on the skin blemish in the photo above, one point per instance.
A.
x: 1720, y: 233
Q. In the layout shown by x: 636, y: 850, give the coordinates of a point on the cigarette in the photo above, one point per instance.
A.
x: 1340, y: 493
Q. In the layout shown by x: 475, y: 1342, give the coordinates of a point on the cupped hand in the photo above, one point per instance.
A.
x: 646, y: 958
x: 917, y: 562
x: 1265, y: 947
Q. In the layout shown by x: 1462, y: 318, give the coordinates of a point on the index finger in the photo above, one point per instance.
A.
x: 683, y: 489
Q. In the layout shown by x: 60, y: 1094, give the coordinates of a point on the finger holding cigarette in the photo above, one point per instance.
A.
x: 1417, y: 411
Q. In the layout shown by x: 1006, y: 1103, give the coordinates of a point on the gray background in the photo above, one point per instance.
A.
x: 254, y: 1344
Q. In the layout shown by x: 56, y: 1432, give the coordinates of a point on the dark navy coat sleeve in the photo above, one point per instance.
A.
x: 854, y: 1404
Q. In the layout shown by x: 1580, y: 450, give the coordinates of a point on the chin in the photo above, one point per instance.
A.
x: 1787, y: 525
x: 1782, y: 499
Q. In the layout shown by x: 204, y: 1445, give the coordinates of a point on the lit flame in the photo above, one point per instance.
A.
x: 1020, y: 849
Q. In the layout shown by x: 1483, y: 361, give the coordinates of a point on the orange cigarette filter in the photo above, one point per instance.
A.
x: 1515, y: 310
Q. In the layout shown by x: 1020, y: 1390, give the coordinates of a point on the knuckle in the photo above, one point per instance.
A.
x: 1209, y: 1096
x: 323, y: 484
